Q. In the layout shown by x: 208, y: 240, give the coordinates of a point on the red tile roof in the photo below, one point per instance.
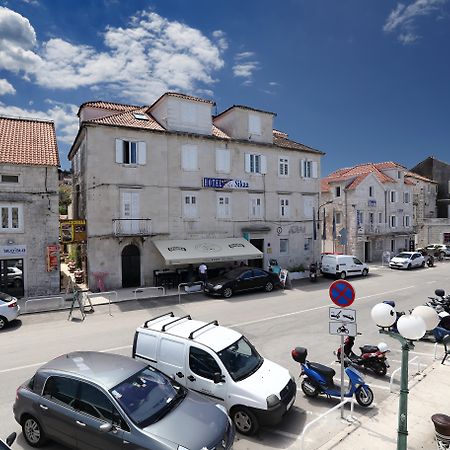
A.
x: 28, y: 141
x: 419, y: 177
x: 107, y: 105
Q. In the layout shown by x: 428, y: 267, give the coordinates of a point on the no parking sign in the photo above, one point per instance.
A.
x: 342, y: 293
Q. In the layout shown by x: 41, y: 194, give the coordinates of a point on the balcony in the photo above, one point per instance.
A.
x: 132, y: 227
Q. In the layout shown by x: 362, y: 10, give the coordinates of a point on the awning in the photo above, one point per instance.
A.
x: 206, y: 250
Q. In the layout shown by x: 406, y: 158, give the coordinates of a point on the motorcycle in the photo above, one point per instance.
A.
x: 313, y: 269
x: 372, y: 357
x: 318, y: 379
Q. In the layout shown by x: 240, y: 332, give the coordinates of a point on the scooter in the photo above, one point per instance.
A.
x: 318, y: 379
x: 372, y: 357
x: 313, y: 269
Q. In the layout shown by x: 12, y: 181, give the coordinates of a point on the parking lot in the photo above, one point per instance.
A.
x: 274, y: 322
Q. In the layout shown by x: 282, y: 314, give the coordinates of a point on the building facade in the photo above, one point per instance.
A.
x: 29, y: 232
x: 372, y: 206
x: 172, y: 171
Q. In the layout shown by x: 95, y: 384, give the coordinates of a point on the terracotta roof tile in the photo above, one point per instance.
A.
x: 419, y: 177
x: 28, y: 141
x: 281, y: 140
x: 217, y: 132
x: 107, y: 105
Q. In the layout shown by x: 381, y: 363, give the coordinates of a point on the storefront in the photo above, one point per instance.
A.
x: 12, y: 269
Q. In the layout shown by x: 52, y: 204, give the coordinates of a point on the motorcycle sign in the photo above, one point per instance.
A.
x: 343, y: 328
x: 342, y: 315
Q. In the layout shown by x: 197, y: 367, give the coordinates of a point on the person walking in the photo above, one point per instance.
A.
x: 203, y: 272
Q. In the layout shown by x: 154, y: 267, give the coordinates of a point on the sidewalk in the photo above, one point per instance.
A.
x: 428, y: 395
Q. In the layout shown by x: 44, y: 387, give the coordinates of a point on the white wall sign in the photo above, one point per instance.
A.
x: 342, y: 329
x: 12, y: 250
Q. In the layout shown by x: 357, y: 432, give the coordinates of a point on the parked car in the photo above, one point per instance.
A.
x: 242, y: 279
x: 87, y: 400
x: 220, y: 363
x: 407, y: 260
x: 343, y: 266
x: 6, y: 444
x: 9, y: 309
x: 15, y: 277
x: 439, y: 250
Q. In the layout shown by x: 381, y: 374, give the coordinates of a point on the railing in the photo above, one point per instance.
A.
x: 106, y: 294
x: 150, y: 289
x: 132, y: 227
x: 339, y: 405
x: 400, y: 368
x: 60, y: 300
x: 189, y: 285
x: 372, y: 228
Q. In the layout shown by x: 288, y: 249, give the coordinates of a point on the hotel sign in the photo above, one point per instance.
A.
x: 13, y: 250
x: 225, y: 183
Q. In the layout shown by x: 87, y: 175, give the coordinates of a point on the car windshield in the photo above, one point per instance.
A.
x: 403, y: 255
x: 241, y: 359
x: 147, y: 396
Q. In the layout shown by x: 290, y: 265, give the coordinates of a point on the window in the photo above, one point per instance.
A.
x: 393, y: 221
x: 308, y: 202
x: 380, y: 217
x: 284, y: 207
x: 255, y: 163
x: 407, y: 222
x: 308, y: 169
x: 189, y: 158
x: 371, y: 218
x: 399, y: 174
x: 406, y: 197
x: 256, y: 207
x: 284, y: 246
x: 392, y: 245
x: 370, y: 191
x: 94, y: 402
x: 254, y: 125
x: 337, y: 191
x: 283, y: 167
x: 308, y: 244
x: 223, y: 206
x: 130, y: 152
x: 338, y: 218
x: 393, y: 196
x: 190, y: 206
x: 10, y: 178
x: 223, y: 160
x: 12, y: 218
x: 359, y: 217
x: 60, y: 389
x: 357, y: 261
x: 130, y: 211
x: 202, y: 363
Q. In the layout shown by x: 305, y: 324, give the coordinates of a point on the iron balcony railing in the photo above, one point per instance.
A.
x: 132, y: 227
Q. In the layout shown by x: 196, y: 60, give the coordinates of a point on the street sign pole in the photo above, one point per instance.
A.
x: 342, y: 376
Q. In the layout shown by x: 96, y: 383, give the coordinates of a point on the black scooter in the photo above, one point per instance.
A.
x: 313, y: 272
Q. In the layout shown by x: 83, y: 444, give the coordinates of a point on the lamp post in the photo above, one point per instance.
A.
x: 318, y: 221
x: 410, y: 327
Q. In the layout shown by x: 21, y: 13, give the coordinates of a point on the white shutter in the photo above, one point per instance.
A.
x: 263, y: 164
x: 142, y: 153
x: 302, y: 168
x: 247, y: 162
x: 222, y: 160
x: 189, y: 160
x: 314, y: 169
x: 119, y: 151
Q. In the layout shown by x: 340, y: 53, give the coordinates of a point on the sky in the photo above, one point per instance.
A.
x: 361, y: 80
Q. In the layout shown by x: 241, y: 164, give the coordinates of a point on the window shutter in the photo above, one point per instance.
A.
x: 142, y: 153
x: 263, y: 164
x: 314, y: 169
x: 222, y: 160
x: 119, y: 151
x: 247, y: 162
x: 302, y: 168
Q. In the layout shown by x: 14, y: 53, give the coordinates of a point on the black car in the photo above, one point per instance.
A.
x: 242, y: 279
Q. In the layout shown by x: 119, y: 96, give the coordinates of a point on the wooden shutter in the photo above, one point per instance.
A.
x: 142, y: 153
x: 119, y: 151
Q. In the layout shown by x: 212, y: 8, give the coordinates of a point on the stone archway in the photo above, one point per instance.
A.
x: 131, y: 266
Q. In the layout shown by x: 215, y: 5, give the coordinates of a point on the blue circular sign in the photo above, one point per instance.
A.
x: 342, y: 293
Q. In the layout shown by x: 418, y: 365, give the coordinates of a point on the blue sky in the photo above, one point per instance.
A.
x: 361, y: 80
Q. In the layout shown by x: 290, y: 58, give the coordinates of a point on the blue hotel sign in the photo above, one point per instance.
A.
x: 224, y: 183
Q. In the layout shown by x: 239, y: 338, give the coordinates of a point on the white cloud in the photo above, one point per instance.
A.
x: 244, y: 66
x: 140, y: 61
x: 402, y: 18
x: 6, y: 87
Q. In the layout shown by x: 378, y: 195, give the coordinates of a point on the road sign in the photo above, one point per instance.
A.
x: 342, y: 315
x: 343, y: 329
x: 342, y: 293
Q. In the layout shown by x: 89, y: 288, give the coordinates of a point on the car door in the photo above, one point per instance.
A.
x: 56, y: 409
x: 357, y: 266
x: 202, y: 366
x: 93, y: 408
x: 245, y: 281
x: 416, y: 260
x: 260, y: 278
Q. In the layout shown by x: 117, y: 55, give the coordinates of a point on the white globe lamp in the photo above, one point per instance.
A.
x: 411, y: 327
x: 428, y: 315
x: 383, y: 315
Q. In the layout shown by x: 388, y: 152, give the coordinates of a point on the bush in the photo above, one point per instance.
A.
x: 299, y: 268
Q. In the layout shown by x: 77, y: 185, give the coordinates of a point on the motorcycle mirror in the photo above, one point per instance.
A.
x: 440, y: 292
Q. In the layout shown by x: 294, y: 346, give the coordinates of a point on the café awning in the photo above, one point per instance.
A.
x: 196, y: 251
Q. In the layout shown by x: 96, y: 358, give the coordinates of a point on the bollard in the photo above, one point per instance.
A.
x: 442, y: 429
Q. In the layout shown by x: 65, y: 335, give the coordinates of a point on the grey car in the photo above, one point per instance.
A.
x: 92, y: 400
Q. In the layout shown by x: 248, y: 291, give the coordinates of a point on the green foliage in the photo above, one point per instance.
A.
x: 299, y: 268
x: 65, y: 198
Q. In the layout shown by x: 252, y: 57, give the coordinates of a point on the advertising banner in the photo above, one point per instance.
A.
x: 72, y: 231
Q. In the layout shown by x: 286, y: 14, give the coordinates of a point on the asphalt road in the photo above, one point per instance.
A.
x: 275, y: 323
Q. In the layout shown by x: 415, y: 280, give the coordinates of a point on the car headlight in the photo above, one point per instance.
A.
x: 272, y: 400
x: 222, y: 408
x: 217, y: 287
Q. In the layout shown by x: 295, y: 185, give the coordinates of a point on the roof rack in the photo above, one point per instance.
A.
x: 214, y: 322
x: 176, y: 320
x: 171, y: 314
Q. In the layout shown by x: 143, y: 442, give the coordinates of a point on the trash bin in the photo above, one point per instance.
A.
x: 442, y: 429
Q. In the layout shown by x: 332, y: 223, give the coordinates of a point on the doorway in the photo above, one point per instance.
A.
x: 11, y: 277
x: 259, y: 244
x: 131, y: 266
x: 367, y: 255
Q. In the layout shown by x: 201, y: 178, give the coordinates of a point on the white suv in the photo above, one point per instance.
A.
x: 441, y: 250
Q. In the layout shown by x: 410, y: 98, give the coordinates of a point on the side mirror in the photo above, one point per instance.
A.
x: 218, y: 378
x: 105, y: 427
x: 11, y: 438
x: 440, y: 292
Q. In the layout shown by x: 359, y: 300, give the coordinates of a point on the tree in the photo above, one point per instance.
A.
x: 65, y: 198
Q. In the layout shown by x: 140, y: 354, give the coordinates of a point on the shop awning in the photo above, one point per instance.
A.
x: 196, y: 251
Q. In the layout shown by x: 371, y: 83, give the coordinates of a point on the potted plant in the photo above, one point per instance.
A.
x: 297, y: 272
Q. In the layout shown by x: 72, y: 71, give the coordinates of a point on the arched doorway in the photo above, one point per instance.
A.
x: 131, y: 266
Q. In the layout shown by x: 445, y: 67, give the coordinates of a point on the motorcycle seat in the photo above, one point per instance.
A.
x: 368, y: 349
x: 326, y: 371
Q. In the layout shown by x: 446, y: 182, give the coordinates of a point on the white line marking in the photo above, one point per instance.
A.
x: 431, y: 282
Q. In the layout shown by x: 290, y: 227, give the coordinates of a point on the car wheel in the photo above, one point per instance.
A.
x: 342, y: 275
x: 3, y: 322
x: 441, y: 256
x: 268, y: 287
x: 227, y: 292
x: 423, y: 264
x: 244, y: 420
x: 365, y: 273
x: 33, y: 432
x: 409, y: 266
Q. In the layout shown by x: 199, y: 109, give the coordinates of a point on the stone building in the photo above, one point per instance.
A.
x: 373, y: 210
x: 157, y: 184
x: 29, y: 232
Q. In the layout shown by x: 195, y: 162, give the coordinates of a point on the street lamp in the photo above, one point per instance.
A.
x: 410, y: 327
x: 318, y: 220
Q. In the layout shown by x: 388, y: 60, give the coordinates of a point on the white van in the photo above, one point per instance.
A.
x: 220, y: 363
x: 343, y: 266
